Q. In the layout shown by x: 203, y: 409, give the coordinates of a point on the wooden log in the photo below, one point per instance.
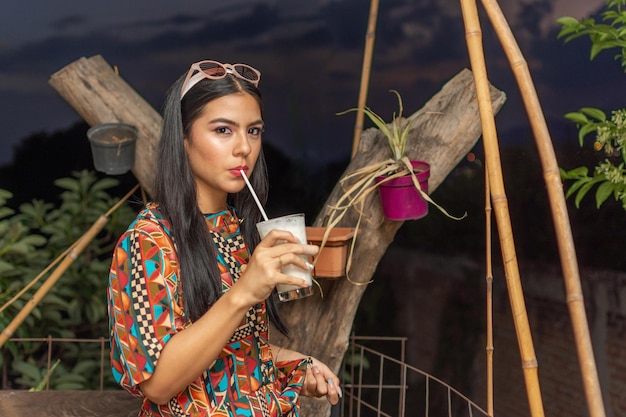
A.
x: 68, y: 403
x: 442, y: 133
x: 100, y: 95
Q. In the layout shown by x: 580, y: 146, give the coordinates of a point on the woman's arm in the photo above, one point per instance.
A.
x: 194, y: 349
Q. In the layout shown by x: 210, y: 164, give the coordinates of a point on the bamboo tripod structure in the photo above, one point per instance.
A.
x: 494, y: 181
x: 498, y: 197
x: 559, y: 210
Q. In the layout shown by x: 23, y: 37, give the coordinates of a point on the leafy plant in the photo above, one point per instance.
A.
x: 610, y: 136
x: 360, y: 183
x: 30, y: 240
x: 609, y: 133
x: 604, y: 36
x: 395, y: 134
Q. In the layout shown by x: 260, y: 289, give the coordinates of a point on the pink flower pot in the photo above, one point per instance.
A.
x: 399, y: 197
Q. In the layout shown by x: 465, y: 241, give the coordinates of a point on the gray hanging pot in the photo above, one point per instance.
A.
x: 113, y: 147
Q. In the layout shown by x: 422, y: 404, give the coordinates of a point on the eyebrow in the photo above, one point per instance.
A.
x: 231, y: 122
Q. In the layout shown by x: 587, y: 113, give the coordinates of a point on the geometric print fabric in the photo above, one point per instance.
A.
x: 145, y: 309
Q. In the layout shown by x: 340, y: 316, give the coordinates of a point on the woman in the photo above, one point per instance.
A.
x: 188, y: 305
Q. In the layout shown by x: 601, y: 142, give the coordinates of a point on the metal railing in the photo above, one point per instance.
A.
x: 104, y: 343
x: 374, y: 383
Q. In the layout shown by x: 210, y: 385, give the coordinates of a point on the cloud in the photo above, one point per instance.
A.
x: 69, y: 22
x: 310, y: 55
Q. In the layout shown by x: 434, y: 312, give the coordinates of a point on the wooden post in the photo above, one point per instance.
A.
x: 365, y: 73
x: 100, y: 95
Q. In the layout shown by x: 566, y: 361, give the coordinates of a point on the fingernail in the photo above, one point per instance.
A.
x: 332, y: 384
x: 310, y: 266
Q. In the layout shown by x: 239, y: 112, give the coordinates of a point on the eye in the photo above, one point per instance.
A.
x: 256, y: 131
x: 222, y: 130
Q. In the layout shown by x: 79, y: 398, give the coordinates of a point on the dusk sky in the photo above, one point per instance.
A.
x: 309, y: 53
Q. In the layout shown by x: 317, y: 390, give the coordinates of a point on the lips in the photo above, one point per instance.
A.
x: 237, y: 170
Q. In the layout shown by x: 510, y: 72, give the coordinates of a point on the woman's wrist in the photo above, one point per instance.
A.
x: 277, y: 356
x: 284, y: 354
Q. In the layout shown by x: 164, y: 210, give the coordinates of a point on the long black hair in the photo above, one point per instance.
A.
x: 175, y: 191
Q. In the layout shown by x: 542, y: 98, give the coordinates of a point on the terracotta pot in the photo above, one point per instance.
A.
x: 399, y: 197
x: 332, y: 258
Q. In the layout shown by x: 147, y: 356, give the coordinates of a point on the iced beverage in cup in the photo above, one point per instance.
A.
x: 293, y: 223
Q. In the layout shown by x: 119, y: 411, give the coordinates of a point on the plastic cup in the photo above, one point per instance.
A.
x: 295, y: 224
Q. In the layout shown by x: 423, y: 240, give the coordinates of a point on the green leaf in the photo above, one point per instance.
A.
x: 582, y: 192
x: 6, y: 212
x: 604, y: 191
x: 594, y: 112
x: 5, y: 195
x: 577, y: 185
x: 584, y: 131
x: 34, y: 240
x: 54, y: 300
x: 104, y: 184
x: 577, y: 117
x: 68, y: 184
x: 86, y: 367
x: 5, y: 267
x: 567, y: 21
x: 575, y: 173
x: 28, y: 370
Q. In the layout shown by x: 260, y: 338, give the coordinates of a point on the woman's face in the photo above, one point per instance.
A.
x: 225, y: 139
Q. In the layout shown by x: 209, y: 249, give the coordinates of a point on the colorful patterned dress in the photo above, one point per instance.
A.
x: 146, y: 310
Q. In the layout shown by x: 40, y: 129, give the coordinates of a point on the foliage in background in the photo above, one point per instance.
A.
x: 30, y: 239
x: 608, y: 133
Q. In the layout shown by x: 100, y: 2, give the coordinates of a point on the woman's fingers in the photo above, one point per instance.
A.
x: 276, y: 236
x: 266, y: 266
x: 334, y: 386
x: 291, y: 258
x: 282, y: 248
x: 320, y: 382
x: 321, y: 388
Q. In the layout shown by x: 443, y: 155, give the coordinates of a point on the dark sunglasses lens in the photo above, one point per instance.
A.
x: 213, y: 69
x: 247, y: 72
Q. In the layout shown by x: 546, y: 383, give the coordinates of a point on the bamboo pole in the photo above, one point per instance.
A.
x: 473, y: 37
x: 71, y: 254
x: 77, y: 248
x: 489, y: 297
x: 567, y: 251
x: 365, y: 73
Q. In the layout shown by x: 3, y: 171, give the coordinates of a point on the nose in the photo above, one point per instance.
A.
x: 242, y: 147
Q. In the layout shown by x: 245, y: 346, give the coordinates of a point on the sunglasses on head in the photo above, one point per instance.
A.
x: 214, y: 70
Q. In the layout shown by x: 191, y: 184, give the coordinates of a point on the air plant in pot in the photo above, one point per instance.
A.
x: 402, y: 183
x: 397, y: 173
